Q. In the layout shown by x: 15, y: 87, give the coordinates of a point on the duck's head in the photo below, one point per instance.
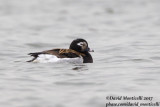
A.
x: 80, y: 45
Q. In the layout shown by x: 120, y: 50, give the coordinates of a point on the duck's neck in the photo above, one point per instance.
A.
x: 87, y: 58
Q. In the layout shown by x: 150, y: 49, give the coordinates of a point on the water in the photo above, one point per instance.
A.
x: 124, y: 34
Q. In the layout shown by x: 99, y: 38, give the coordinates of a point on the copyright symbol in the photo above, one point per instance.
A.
x: 107, y: 98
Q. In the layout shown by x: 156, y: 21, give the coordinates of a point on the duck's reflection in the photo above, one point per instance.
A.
x: 80, y: 67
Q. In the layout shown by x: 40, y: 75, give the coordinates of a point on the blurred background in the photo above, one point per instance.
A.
x: 125, y: 35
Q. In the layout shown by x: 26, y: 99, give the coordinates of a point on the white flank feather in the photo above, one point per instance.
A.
x: 45, y: 58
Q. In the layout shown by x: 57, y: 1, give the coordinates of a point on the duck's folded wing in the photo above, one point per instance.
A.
x: 55, y: 52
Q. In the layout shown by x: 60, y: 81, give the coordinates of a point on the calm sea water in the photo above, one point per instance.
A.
x: 125, y: 35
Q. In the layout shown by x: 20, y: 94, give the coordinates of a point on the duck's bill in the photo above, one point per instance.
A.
x: 90, y: 50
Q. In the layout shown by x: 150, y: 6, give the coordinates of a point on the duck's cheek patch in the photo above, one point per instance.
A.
x: 84, y: 46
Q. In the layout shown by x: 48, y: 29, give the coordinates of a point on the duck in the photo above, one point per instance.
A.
x: 78, y: 51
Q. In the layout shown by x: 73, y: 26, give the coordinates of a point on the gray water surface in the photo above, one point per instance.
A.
x: 125, y: 35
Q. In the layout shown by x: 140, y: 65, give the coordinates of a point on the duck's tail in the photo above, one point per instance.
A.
x: 35, y: 55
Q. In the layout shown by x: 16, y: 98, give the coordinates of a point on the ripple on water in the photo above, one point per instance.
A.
x: 39, y: 45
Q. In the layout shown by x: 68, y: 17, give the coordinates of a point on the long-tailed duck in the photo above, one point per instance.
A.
x: 78, y: 50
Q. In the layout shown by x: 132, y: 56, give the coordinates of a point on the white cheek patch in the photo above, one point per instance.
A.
x: 80, y: 43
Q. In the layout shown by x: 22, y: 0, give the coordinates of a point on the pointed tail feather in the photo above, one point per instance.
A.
x: 35, y: 55
x: 32, y: 59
